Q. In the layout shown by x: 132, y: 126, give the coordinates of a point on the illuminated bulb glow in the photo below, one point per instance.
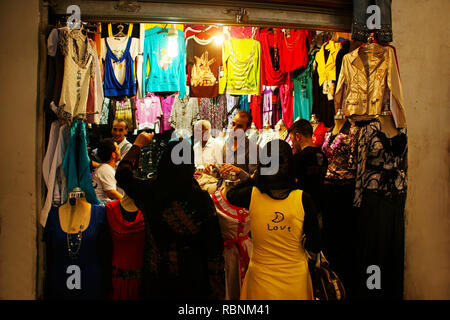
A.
x: 218, y: 40
x: 172, y: 47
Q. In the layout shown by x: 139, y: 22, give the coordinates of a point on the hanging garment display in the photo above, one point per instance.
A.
x: 52, y: 169
x: 338, y: 150
x: 77, y: 262
x: 326, y: 67
x: 128, y: 237
x: 241, y: 32
x: 123, y: 110
x: 234, y: 226
x: 268, y: 107
x: 294, y: 49
x: 166, y: 106
x: 204, y: 60
x: 323, y: 108
x: 185, y: 113
x: 148, y: 113
x: 303, y: 91
x: 339, y: 217
x: 76, y: 162
x: 271, y: 73
x: 241, y: 67
x: 360, y: 30
x: 319, y: 134
x: 119, y: 54
x: 381, y: 162
x: 244, y: 102
x: 167, y: 62
x: 368, y: 82
x: 381, y: 185
x: 287, y: 102
x: 215, y: 111
x: 78, y: 69
x: 256, y: 105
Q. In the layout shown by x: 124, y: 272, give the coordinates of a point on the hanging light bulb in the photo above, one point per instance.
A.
x: 172, y: 47
x: 218, y: 40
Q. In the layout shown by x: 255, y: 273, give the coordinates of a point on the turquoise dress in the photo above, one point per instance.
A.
x: 303, y: 91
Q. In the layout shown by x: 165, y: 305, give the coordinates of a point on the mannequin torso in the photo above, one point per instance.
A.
x: 75, y: 218
x: 338, y: 125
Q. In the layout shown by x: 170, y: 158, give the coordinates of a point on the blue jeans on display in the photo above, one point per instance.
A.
x: 360, y: 32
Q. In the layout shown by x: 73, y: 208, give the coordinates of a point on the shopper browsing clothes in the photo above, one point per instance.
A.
x: 240, y: 155
x: 104, y: 180
x: 183, y: 250
x: 280, y: 216
x: 310, y: 163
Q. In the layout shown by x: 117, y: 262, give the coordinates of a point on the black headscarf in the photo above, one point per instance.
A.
x: 278, y: 183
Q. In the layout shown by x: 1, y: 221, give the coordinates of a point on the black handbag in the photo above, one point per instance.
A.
x: 326, y: 283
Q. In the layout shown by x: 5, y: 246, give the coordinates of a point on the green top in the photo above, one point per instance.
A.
x: 242, y: 67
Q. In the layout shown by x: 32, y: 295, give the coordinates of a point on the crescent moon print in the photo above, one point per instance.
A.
x: 278, y: 217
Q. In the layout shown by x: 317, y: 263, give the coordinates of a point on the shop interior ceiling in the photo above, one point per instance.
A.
x: 327, y: 15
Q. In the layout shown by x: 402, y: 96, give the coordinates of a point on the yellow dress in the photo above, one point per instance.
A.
x: 278, y: 268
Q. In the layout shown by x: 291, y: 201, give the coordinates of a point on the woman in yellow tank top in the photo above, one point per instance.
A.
x: 280, y: 216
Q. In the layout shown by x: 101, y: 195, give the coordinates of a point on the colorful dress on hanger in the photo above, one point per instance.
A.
x: 234, y: 226
x: 148, y: 113
x: 256, y: 105
x: 215, y: 111
x: 278, y: 268
x: 294, y: 49
x: 184, y: 114
x: 241, y: 67
x: 203, y: 59
x: 167, y: 62
x: 78, y: 70
x: 119, y: 55
x: 166, y: 106
x: 338, y: 150
x: 76, y: 162
x: 303, y: 91
x: 83, y: 274
x: 128, y: 238
x: 271, y: 72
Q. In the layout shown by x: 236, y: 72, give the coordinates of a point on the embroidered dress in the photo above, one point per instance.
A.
x: 234, y: 226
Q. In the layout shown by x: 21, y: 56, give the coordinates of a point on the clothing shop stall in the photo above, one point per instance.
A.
x: 161, y: 67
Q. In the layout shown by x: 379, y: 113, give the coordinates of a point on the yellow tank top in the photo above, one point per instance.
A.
x: 278, y: 268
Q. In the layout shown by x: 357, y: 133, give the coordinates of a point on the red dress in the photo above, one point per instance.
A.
x: 270, y: 76
x: 128, y: 248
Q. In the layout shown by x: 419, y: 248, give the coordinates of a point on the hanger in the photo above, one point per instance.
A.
x: 163, y: 30
x: 120, y: 33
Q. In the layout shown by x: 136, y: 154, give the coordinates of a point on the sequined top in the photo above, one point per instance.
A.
x: 338, y: 150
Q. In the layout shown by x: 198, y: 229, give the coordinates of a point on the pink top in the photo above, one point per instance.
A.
x: 148, y: 113
x: 166, y: 105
